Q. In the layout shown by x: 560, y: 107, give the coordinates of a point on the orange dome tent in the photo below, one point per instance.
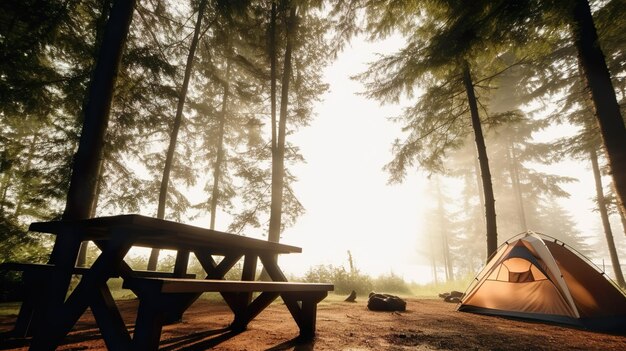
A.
x: 537, y: 277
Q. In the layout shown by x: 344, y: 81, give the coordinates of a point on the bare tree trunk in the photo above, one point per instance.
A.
x: 278, y: 154
x: 490, y: 208
x: 169, y: 158
x: 101, y: 24
x: 220, y: 146
x: 273, y: 76
x: 96, y: 112
x: 444, y: 235
x: 598, y: 80
x: 273, y: 53
x: 6, y: 182
x: 621, y: 214
x: 479, y: 186
x: 617, y: 269
x: 433, y: 259
x: 81, y: 261
x: 517, y: 189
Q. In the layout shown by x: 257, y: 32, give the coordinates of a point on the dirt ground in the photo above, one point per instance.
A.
x: 428, y: 324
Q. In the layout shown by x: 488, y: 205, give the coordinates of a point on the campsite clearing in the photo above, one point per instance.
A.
x: 428, y: 324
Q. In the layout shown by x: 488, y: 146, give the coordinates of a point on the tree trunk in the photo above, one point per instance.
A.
x: 81, y: 260
x: 220, y: 147
x: 621, y: 214
x: 490, y: 208
x: 617, y: 269
x: 479, y: 187
x: 598, y: 81
x: 517, y: 189
x: 443, y: 228
x: 278, y: 154
x: 96, y: 112
x: 623, y: 218
x: 6, y: 182
x: 620, y: 211
x: 169, y: 158
x: 273, y: 53
x: 273, y: 76
x: 433, y: 259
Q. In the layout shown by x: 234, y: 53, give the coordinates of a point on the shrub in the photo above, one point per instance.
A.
x: 343, y: 280
x: 391, y: 283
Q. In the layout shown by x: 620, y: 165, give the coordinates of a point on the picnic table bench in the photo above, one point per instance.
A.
x: 158, y: 293
x: 162, y: 298
x: 33, y: 280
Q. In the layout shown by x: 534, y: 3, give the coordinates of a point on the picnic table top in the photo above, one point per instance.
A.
x: 160, y: 233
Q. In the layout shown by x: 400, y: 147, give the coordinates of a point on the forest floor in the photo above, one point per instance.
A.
x: 427, y: 324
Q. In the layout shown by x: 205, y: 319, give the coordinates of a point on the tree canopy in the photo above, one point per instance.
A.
x: 189, y: 109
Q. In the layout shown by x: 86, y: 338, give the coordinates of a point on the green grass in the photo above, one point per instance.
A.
x: 433, y: 290
x: 428, y: 291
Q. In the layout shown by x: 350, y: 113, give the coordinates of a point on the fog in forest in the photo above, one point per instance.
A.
x: 371, y: 131
x: 406, y: 228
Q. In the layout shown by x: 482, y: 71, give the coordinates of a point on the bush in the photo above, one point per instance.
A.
x: 391, y: 283
x: 343, y: 280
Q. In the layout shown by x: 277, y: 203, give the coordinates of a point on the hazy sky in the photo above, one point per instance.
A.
x: 349, y: 205
x: 344, y: 189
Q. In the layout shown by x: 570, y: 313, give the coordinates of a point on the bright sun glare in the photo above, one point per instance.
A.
x: 350, y: 206
x: 343, y: 186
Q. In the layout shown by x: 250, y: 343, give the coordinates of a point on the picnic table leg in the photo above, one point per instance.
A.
x: 302, y: 306
x: 149, y: 323
x: 64, y: 253
x: 218, y: 271
x: 109, y: 320
x: 182, y: 261
x: 175, y: 311
x: 271, y: 266
x: 244, y: 313
x: 31, y: 307
x: 248, y: 274
x: 212, y: 268
x: 239, y: 302
x: 305, y: 312
x: 214, y: 271
x: 61, y: 315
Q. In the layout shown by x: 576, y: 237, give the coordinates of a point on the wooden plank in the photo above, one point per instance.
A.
x: 248, y: 274
x: 182, y: 261
x: 250, y: 310
x: 149, y: 323
x: 173, y: 285
x: 159, y: 274
x: 249, y: 268
x: 214, y: 270
x: 303, y: 309
x: 54, y: 320
x: 110, y: 321
x: 160, y: 233
x: 60, y: 316
x: 46, y: 267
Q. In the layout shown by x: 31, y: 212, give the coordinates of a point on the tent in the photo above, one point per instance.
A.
x: 534, y: 276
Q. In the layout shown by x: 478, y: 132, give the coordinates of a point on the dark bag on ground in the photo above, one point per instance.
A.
x: 385, y: 302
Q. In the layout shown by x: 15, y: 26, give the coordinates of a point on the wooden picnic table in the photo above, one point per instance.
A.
x: 116, y: 235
